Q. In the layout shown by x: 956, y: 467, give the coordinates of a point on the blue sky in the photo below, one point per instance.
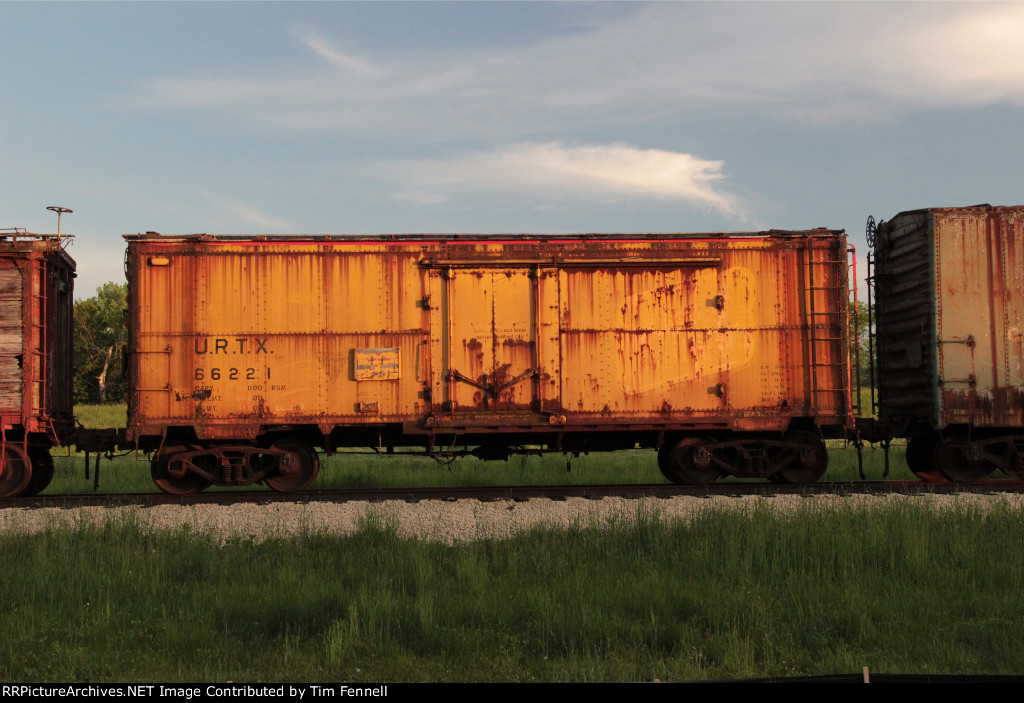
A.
x: 318, y: 118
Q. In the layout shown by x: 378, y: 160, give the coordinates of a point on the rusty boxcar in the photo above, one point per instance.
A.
x: 729, y: 352
x: 36, y: 304
x: 950, y: 338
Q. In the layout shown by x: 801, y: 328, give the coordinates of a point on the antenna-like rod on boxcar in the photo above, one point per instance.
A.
x: 60, y: 211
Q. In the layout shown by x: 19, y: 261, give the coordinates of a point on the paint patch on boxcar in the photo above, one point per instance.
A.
x: 377, y: 364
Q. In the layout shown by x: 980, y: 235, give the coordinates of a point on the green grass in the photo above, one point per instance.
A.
x: 361, y: 469
x: 842, y: 462
x: 101, y: 416
x: 730, y: 594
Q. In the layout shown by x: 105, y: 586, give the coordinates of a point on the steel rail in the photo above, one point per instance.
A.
x: 513, y: 493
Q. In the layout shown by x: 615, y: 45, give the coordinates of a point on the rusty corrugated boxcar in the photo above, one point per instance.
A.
x: 950, y: 333
x: 36, y: 303
x: 730, y: 352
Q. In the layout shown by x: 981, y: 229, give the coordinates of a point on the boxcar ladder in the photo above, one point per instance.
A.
x: 831, y: 319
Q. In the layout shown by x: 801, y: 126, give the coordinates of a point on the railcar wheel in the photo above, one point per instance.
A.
x: 921, y: 458
x: 186, y: 485
x: 687, y: 463
x: 15, y: 471
x: 42, y: 471
x: 811, y: 461
x: 303, y: 471
x: 955, y: 466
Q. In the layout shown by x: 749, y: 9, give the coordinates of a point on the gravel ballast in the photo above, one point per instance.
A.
x: 452, y: 522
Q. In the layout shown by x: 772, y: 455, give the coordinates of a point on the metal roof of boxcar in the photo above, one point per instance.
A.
x: 981, y: 207
x: 454, y: 237
x: 15, y: 240
x: 17, y: 235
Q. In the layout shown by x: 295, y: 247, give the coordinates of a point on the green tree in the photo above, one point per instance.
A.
x: 859, y: 330
x: 101, y: 331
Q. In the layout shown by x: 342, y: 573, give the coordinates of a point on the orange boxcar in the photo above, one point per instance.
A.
x: 36, y: 303
x: 729, y: 352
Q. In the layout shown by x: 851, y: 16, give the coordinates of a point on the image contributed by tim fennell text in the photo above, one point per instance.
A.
x: 301, y: 692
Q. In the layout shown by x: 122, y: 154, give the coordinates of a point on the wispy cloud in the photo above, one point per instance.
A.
x: 555, y: 170
x: 352, y: 65
x: 803, y: 60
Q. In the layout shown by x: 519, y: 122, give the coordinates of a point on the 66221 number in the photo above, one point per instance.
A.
x: 215, y: 374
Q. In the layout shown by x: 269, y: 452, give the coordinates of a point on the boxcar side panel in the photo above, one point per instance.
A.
x: 635, y: 342
x: 234, y: 338
x: 978, y: 329
x: 737, y: 341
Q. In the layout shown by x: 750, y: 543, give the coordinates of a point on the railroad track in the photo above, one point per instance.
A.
x: 516, y: 493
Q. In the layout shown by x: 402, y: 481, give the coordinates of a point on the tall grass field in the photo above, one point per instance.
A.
x: 728, y: 594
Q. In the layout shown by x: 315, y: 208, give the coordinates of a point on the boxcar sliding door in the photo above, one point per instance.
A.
x: 494, y: 331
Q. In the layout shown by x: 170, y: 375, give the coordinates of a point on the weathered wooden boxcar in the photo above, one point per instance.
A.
x: 36, y: 303
x: 727, y: 351
x: 950, y: 336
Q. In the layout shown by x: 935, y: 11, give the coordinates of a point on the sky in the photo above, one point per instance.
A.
x: 391, y: 117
